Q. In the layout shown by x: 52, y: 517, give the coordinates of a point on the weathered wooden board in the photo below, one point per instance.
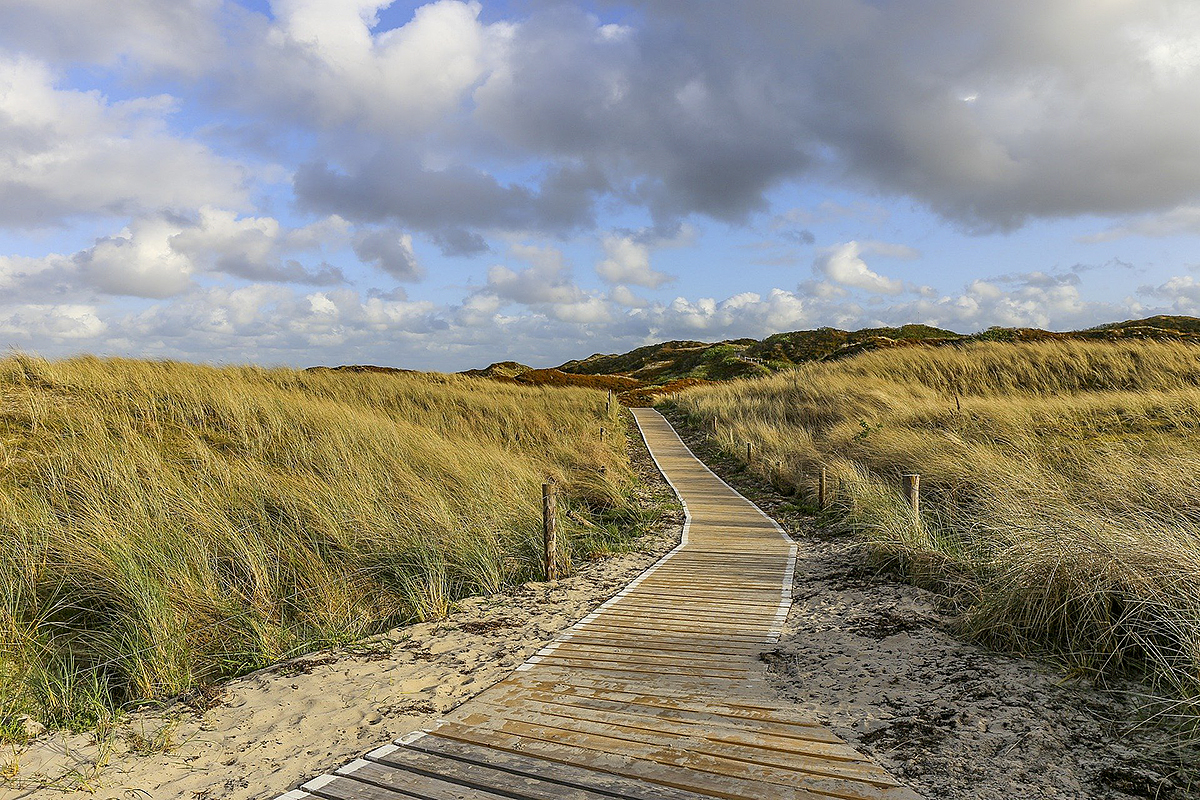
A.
x: 658, y: 695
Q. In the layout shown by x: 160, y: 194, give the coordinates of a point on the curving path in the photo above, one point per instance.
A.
x: 658, y: 693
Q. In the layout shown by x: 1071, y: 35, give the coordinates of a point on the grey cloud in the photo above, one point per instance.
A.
x: 389, y: 251
x: 678, y: 129
x: 989, y: 113
x: 179, y: 36
x: 392, y: 186
x: 799, y: 236
x: 459, y: 242
x: 1039, y: 279
x: 284, y: 271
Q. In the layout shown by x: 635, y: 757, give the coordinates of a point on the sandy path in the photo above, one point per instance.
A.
x: 267, y: 731
x: 881, y: 663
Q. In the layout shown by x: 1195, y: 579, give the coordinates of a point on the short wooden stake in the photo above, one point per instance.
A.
x: 912, y: 490
x: 602, y: 434
x: 821, y: 493
x: 608, y: 404
x: 550, y: 529
x: 749, y: 452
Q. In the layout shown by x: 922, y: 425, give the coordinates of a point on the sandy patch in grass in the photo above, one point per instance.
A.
x: 262, y: 734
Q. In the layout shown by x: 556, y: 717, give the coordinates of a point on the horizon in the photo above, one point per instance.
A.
x: 444, y: 185
x: 599, y: 353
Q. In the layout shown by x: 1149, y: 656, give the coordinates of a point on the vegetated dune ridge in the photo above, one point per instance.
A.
x: 670, y: 366
x: 166, y: 525
x: 1060, y: 487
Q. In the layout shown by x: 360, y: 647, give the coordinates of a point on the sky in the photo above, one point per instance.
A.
x: 446, y: 184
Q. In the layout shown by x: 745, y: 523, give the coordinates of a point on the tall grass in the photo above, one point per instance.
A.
x: 165, y: 525
x: 1060, y: 485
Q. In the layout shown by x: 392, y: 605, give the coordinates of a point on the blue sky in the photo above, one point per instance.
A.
x: 441, y: 185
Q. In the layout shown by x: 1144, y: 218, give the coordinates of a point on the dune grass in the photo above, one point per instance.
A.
x: 1060, y: 487
x: 165, y: 525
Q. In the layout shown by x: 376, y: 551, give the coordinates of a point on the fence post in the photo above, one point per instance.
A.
x: 912, y: 490
x: 821, y: 491
x: 550, y: 529
x: 608, y: 403
x: 749, y: 452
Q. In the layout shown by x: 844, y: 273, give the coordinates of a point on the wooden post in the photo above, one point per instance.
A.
x: 749, y: 452
x: 602, y: 434
x: 608, y: 404
x: 821, y: 493
x: 912, y: 490
x: 550, y: 530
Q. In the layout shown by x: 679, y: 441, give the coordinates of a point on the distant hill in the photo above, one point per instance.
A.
x: 501, y: 369
x: 641, y: 372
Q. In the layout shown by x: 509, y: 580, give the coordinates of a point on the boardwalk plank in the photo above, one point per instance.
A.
x: 658, y: 695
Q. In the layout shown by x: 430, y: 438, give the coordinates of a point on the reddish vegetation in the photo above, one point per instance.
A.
x: 645, y: 395
x: 361, y: 368
x: 556, y: 377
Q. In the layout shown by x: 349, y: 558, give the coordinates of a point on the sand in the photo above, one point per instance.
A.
x: 262, y: 734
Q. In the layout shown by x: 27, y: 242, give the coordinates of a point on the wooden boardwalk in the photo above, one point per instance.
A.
x: 659, y: 693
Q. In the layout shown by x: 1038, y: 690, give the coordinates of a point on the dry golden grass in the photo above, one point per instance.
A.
x: 1060, y: 485
x: 165, y: 524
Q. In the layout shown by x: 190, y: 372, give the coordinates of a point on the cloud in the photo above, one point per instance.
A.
x: 1039, y: 279
x: 628, y: 262
x: 1180, y: 294
x: 159, y: 256
x: 320, y: 61
x: 139, y: 261
x: 181, y: 36
x: 547, y: 281
x: 458, y: 242
x: 66, y: 153
x: 1184, y: 220
x: 684, y: 109
x: 388, y: 251
x: 391, y: 185
x: 63, y: 322
x: 843, y: 264
x: 276, y: 323
x: 258, y: 248
x: 624, y: 296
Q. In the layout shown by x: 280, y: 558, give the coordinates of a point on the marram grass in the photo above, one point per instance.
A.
x: 165, y: 525
x: 1060, y: 485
